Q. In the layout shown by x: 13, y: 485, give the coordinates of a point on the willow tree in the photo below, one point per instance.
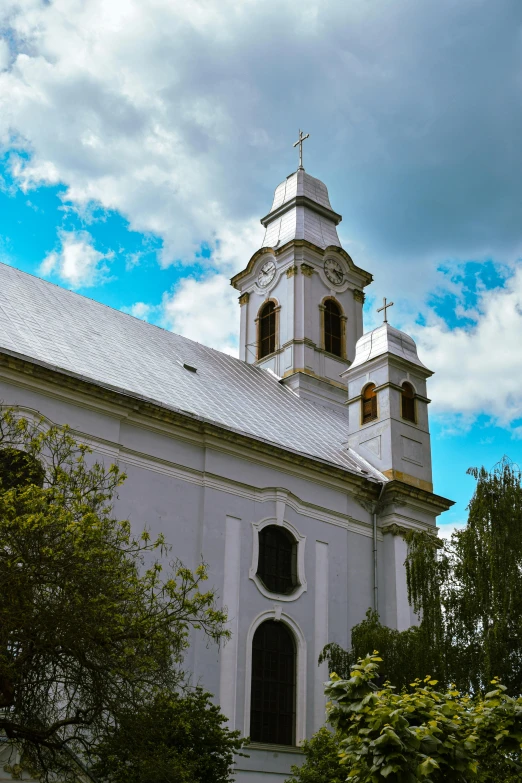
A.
x: 93, y: 626
x: 468, y: 591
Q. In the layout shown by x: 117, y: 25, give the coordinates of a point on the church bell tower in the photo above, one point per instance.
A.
x: 301, y: 295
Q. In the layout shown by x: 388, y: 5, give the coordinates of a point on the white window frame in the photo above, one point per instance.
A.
x: 300, y: 670
x: 300, y: 540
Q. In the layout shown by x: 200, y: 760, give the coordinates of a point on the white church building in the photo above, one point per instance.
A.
x: 291, y: 471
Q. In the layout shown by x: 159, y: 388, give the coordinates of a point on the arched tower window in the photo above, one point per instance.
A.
x: 369, y: 403
x: 408, y: 402
x: 277, y: 563
x: 267, y: 330
x: 332, y: 327
x: 272, y: 710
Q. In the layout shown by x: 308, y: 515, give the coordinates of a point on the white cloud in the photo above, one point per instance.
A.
x: 4, y: 54
x: 181, y: 116
x: 446, y: 531
x: 206, y: 311
x: 77, y: 263
x: 478, y: 369
x: 140, y: 310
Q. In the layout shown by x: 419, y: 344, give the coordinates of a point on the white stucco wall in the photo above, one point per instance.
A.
x: 205, y: 495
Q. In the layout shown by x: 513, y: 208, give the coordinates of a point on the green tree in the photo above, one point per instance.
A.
x: 469, y: 589
x: 405, y: 654
x: 421, y: 734
x: 469, y: 593
x: 322, y: 762
x: 177, y: 738
x: 91, y: 628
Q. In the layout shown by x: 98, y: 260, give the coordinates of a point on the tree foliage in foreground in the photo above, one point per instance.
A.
x: 177, y: 738
x: 421, y: 734
x: 88, y: 634
x: 405, y: 654
x: 322, y: 762
x: 469, y: 593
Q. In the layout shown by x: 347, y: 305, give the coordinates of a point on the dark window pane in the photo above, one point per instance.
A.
x: 272, y: 710
x: 267, y: 330
x: 408, y: 402
x: 369, y: 403
x: 332, y: 328
x: 277, y: 563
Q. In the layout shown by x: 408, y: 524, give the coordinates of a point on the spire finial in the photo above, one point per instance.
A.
x: 299, y: 142
x: 384, y: 307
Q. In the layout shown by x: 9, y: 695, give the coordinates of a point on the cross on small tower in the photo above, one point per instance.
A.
x: 384, y: 307
x: 299, y: 142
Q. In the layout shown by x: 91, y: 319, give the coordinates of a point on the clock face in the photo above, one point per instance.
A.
x: 334, y: 271
x: 266, y: 274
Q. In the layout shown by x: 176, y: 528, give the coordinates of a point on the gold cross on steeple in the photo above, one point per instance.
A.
x: 384, y: 307
x: 299, y: 141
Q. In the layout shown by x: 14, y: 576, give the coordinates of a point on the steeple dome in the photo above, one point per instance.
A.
x: 386, y: 339
x: 301, y: 210
x: 301, y: 294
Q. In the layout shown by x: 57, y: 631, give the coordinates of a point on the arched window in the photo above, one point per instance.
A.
x: 267, y: 330
x: 277, y: 563
x: 369, y: 403
x: 18, y: 469
x: 272, y: 704
x: 408, y: 402
x: 332, y: 327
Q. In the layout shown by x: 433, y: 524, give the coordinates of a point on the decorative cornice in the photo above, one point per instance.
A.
x: 398, y: 491
x: 306, y: 371
x: 298, y: 243
x: 302, y: 201
x: 300, y: 341
x: 124, y: 404
x: 291, y: 271
x: 358, y: 295
x: 307, y: 270
x: 389, y: 385
x: 243, y: 299
x: 395, y: 530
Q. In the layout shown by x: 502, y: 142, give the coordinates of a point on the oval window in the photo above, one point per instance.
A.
x: 277, y: 563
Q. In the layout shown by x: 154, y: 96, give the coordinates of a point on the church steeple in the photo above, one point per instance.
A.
x: 388, y: 406
x: 301, y: 294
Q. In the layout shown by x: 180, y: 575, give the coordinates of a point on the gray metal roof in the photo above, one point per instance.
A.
x: 301, y: 210
x: 72, y: 334
x: 386, y: 339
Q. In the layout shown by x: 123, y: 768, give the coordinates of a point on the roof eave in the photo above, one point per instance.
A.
x: 61, y: 377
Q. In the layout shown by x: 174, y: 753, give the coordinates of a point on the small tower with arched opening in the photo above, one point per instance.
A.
x: 388, y: 406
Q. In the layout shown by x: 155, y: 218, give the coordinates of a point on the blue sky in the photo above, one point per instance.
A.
x: 141, y: 141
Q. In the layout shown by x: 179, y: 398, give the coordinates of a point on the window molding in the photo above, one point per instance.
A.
x: 300, y: 540
x: 300, y: 670
x: 375, y: 405
x: 257, y: 321
x: 343, y: 318
x: 413, y: 400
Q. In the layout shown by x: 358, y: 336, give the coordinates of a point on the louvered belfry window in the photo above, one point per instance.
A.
x: 272, y: 703
x: 408, y: 402
x: 267, y: 330
x: 277, y: 562
x: 369, y: 403
x: 332, y: 327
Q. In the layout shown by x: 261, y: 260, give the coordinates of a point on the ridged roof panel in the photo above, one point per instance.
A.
x: 76, y: 335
